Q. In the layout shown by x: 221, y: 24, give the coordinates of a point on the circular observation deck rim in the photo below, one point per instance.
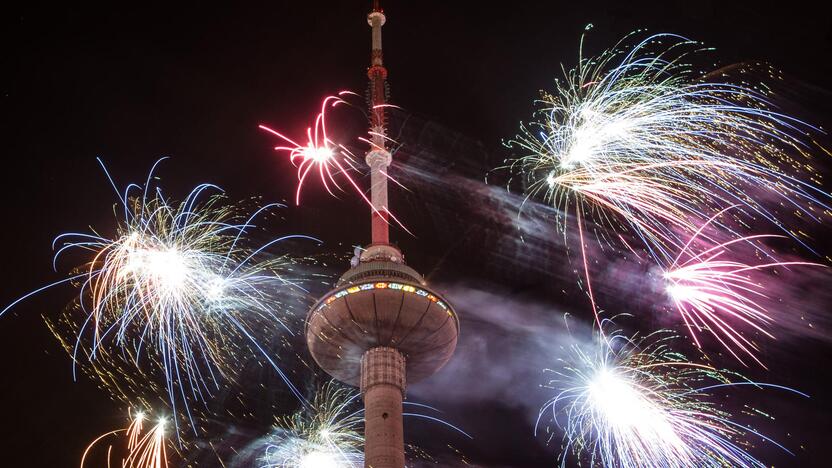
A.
x: 404, y: 287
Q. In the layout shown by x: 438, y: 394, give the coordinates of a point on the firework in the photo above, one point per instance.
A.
x: 327, y: 435
x: 638, y: 404
x: 331, y: 161
x: 320, y: 154
x: 633, y: 138
x: 177, y: 289
x: 143, y: 448
x: 714, y: 292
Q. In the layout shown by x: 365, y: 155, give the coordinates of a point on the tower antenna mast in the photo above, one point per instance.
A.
x: 378, y: 157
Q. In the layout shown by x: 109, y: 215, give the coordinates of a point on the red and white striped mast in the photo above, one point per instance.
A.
x: 378, y: 157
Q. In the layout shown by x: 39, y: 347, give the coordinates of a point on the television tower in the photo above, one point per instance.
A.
x: 381, y: 327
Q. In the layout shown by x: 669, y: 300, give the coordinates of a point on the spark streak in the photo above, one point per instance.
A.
x: 144, y: 448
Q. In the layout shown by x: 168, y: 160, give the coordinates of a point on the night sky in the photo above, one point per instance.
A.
x: 135, y: 83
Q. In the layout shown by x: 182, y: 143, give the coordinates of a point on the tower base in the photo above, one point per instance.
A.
x: 382, y: 387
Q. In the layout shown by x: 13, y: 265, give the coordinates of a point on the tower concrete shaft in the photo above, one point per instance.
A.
x: 382, y: 387
x: 378, y: 157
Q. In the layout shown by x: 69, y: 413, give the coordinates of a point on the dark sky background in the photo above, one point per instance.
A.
x: 133, y: 83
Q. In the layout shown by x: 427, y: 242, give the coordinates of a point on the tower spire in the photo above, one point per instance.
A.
x: 378, y: 157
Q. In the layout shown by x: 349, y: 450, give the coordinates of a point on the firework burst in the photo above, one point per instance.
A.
x: 143, y: 448
x: 177, y: 289
x: 327, y: 435
x: 632, y: 138
x: 331, y: 161
x: 639, y: 404
x: 713, y: 291
x: 320, y: 154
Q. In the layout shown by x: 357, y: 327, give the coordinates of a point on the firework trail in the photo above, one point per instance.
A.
x: 176, y: 288
x: 326, y: 158
x: 633, y: 140
x: 326, y: 436
x: 638, y: 404
x: 713, y: 291
x: 144, y: 448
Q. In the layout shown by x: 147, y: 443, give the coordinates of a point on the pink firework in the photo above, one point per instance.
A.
x: 717, y: 293
x: 320, y: 154
x: 331, y: 160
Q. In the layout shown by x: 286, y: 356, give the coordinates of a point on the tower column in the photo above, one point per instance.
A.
x: 382, y: 387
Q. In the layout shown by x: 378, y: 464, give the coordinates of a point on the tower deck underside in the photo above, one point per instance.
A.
x: 381, y: 311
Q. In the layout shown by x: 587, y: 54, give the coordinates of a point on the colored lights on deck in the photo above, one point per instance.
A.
x: 384, y: 285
